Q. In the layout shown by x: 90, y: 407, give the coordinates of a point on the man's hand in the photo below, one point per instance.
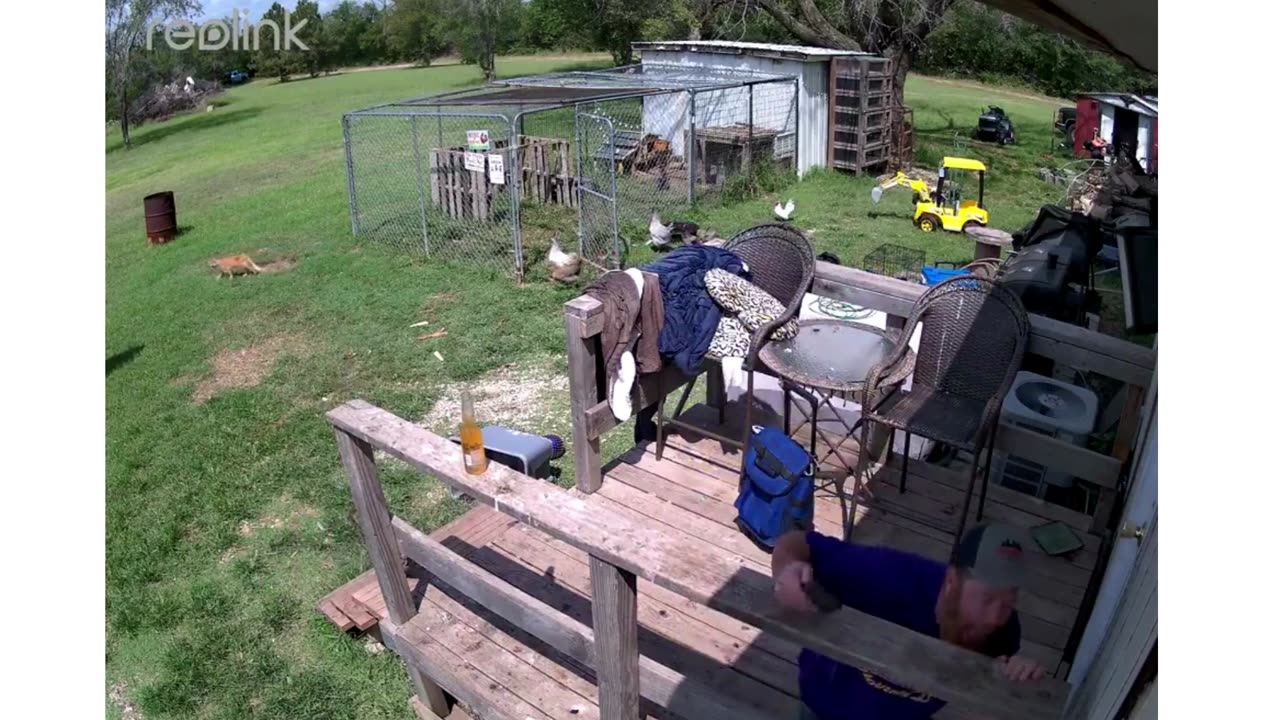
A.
x: 789, y: 584
x: 1020, y: 669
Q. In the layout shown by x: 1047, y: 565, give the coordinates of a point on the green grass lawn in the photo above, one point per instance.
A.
x: 227, y: 513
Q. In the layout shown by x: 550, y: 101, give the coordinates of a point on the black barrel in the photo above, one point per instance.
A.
x: 161, y: 215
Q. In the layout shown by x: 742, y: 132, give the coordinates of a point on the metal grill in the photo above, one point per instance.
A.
x: 612, y: 146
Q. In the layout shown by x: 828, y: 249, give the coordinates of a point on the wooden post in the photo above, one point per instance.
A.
x: 435, y: 178
x: 584, y: 391
x: 613, y: 615
x: 384, y: 551
x: 1130, y: 421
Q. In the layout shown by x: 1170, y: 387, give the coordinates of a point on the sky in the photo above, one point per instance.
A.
x: 217, y: 9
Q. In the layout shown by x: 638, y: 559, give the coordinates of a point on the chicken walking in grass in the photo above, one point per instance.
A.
x: 564, y: 266
x: 784, y: 212
x: 659, y: 234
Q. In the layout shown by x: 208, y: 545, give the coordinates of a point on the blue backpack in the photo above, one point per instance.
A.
x: 777, y: 487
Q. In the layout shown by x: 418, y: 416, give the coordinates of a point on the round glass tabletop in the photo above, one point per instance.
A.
x: 830, y: 354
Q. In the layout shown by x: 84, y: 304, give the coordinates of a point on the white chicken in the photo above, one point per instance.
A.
x: 659, y: 234
x: 564, y: 266
x: 784, y: 212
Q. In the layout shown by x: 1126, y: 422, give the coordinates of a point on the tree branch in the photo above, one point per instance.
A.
x: 812, y: 36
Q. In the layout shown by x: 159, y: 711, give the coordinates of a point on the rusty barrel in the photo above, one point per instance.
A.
x: 161, y: 215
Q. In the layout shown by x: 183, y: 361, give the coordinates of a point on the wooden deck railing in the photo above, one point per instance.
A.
x: 621, y: 550
x: 1061, y: 342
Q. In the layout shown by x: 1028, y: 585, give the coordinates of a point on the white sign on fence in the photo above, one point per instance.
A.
x: 496, y: 174
x: 473, y: 161
x: 477, y: 139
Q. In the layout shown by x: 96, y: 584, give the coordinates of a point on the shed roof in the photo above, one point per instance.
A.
x: 803, y: 53
x: 1141, y: 105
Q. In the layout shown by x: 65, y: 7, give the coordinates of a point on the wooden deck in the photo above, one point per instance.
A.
x: 690, y: 491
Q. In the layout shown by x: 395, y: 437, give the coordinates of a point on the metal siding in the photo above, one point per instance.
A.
x: 772, y: 101
x: 1106, y: 121
x: 1144, y: 142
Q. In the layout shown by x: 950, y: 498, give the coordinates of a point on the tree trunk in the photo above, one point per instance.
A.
x: 124, y: 119
x: 902, y: 59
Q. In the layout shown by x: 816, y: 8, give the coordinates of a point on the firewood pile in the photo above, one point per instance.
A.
x: 167, y: 99
x: 1109, y: 192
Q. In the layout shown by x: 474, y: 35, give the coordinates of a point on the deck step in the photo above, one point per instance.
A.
x: 499, y: 670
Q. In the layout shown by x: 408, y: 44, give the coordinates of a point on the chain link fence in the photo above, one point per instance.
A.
x: 611, y: 147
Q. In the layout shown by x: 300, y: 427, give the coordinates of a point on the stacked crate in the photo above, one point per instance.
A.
x: 861, y: 113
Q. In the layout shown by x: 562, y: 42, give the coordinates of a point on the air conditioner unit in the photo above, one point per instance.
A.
x: 1050, y: 407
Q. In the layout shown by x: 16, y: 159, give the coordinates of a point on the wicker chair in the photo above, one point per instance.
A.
x: 970, y: 348
x: 780, y: 261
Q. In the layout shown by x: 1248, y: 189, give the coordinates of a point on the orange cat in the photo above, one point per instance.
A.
x: 234, y: 265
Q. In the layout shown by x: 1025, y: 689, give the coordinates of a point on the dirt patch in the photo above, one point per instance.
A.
x: 277, y: 266
x: 293, y: 519
x: 119, y: 696
x: 245, y: 368
x: 521, y: 396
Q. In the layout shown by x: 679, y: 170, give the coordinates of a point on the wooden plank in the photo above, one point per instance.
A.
x: 901, y: 656
x: 676, y: 632
x: 463, y: 678
x: 336, y: 616
x: 356, y: 611
x: 384, y: 551
x: 1081, y: 462
x: 1075, y: 346
x: 435, y: 178
x: 504, y: 667
x: 584, y: 392
x: 658, y: 683
x: 590, y: 311
x: 1121, y: 449
x: 704, y: 630
x: 613, y: 615
x: 1046, y: 609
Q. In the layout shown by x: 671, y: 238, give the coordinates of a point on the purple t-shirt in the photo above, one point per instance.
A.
x: 892, y: 585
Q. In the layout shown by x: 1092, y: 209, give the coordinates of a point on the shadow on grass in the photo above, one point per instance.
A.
x: 122, y: 358
x: 191, y: 122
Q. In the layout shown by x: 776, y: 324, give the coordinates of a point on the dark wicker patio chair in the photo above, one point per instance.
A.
x: 970, y: 348
x: 781, y: 261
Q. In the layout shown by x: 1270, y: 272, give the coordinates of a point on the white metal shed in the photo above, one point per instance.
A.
x: 809, y: 65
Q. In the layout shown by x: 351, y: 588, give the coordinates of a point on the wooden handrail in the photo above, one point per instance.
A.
x: 676, y: 562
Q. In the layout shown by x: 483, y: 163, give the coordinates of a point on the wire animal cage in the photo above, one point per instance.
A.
x: 895, y: 261
x: 449, y: 175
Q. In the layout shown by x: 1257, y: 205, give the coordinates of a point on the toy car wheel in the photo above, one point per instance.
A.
x: 970, y: 225
x: 928, y: 223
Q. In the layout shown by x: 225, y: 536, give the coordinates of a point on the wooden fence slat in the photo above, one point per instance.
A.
x: 435, y: 178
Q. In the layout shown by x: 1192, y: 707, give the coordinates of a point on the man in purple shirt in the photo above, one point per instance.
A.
x: 968, y: 603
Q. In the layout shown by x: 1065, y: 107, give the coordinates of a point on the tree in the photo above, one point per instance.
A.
x: 128, y: 69
x: 482, y: 28
x: 894, y: 29
x: 273, y: 58
x: 416, y: 29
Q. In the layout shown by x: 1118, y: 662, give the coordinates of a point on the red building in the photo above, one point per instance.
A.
x: 1119, y: 118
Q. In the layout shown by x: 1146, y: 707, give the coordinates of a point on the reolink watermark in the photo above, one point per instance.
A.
x: 218, y: 34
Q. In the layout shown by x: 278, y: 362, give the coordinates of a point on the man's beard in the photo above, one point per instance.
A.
x: 950, y: 625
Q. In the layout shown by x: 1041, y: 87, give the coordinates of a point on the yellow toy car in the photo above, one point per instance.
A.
x: 942, y: 207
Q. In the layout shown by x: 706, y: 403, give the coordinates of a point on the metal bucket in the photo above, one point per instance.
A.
x: 162, y: 217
